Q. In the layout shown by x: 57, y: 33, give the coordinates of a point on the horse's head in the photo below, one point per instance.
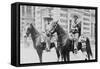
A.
x: 28, y: 30
x: 53, y: 28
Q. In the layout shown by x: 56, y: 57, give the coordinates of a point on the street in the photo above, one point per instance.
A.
x: 29, y: 54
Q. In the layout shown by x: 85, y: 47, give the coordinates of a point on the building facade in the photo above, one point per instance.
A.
x: 36, y: 15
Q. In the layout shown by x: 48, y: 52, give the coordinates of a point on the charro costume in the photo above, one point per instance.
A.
x: 75, y: 31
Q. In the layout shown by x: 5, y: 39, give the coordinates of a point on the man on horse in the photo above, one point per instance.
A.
x: 75, y: 31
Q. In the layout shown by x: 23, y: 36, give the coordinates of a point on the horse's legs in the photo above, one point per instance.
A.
x: 68, y: 55
x: 85, y: 54
x: 39, y: 52
x: 64, y: 58
x: 58, y: 54
x: 89, y: 52
x: 57, y: 51
x: 72, y: 46
x: 88, y: 55
x: 63, y: 55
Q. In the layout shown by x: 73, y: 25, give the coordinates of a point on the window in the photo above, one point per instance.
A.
x: 29, y: 10
x: 23, y: 10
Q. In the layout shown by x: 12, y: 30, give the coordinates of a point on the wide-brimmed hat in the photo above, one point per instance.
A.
x: 75, y: 15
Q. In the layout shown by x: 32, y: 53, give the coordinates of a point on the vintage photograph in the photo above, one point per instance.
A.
x: 56, y: 34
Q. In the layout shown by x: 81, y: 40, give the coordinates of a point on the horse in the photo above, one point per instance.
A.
x: 86, y: 51
x: 76, y: 33
x: 65, y: 43
x: 36, y: 38
x: 84, y: 46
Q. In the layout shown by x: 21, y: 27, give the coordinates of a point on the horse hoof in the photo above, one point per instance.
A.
x: 85, y: 59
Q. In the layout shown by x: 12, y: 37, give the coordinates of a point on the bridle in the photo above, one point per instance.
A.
x: 54, y: 27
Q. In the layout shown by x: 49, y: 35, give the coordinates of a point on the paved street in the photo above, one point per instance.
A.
x: 29, y: 55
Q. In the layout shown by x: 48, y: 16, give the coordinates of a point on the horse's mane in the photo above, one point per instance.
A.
x: 62, y: 31
x: 34, y: 30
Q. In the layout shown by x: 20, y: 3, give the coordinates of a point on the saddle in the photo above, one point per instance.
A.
x: 74, y: 30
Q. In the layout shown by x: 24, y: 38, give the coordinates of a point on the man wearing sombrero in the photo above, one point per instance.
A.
x: 75, y: 30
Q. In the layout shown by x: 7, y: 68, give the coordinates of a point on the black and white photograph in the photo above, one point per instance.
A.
x: 56, y: 34
x: 49, y: 34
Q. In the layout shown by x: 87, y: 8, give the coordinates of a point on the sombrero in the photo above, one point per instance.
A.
x: 74, y: 15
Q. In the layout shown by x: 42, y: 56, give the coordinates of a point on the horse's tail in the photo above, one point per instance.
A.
x: 88, y: 47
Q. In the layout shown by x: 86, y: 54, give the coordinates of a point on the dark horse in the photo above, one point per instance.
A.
x: 36, y: 38
x: 86, y: 49
x: 65, y: 44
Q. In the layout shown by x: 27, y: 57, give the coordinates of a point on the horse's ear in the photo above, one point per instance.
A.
x: 30, y: 24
